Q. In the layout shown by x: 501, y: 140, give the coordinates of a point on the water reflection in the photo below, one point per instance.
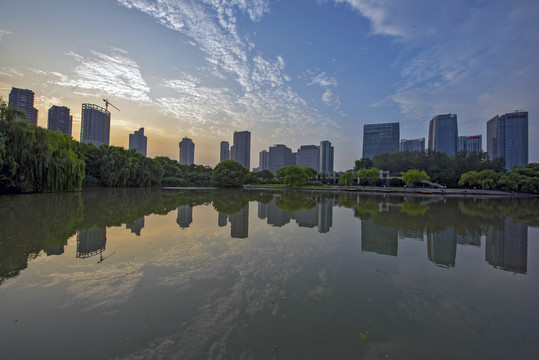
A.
x: 185, y: 216
x: 297, y: 275
x: 91, y: 242
x: 136, y: 227
x: 443, y: 222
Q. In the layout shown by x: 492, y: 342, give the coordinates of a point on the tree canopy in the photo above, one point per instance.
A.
x: 229, y: 173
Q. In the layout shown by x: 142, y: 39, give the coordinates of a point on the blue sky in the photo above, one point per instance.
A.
x: 294, y: 72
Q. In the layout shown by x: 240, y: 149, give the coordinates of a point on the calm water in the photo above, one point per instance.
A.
x: 201, y: 274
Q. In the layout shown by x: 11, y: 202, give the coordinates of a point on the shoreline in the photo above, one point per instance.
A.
x: 461, y: 193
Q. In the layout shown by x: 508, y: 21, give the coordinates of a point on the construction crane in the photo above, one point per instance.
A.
x: 107, y: 103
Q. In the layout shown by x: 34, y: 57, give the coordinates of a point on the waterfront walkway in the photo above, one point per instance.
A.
x: 405, y: 191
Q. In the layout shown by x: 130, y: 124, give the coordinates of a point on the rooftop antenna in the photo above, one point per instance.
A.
x: 107, y: 103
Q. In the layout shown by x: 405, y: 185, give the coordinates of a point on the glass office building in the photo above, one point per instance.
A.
x: 380, y: 139
x: 507, y: 138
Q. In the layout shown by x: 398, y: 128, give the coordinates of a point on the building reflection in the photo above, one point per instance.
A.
x: 185, y: 216
x: 442, y: 247
x: 222, y: 220
x: 306, y: 218
x: 91, y: 242
x: 411, y: 234
x: 320, y: 216
x: 378, y: 239
x: 136, y: 227
x: 507, y: 246
x: 239, y: 223
x: 325, y: 215
x: 473, y: 239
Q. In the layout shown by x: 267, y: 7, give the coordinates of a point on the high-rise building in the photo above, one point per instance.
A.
x: 138, y: 141
x: 95, y: 125
x: 443, y: 134
x: 507, y: 138
x: 470, y: 143
x: 23, y: 99
x: 412, y: 145
x: 59, y: 119
x: 225, y: 151
x: 380, y: 139
x: 279, y: 156
x: 187, y: 151
x: 308, y: 156
x: 263, y: 160
x: 326, y: 157
x: 241, y: 148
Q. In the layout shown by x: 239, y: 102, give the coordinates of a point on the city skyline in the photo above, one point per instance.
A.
x: 289, y: 72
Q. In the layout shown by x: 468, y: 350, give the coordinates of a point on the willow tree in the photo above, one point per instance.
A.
x: 33, y: 159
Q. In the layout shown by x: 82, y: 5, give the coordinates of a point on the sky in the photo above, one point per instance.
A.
x: 293, y: 72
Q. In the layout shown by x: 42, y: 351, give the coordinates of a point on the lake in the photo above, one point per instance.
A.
x: 264, y: 274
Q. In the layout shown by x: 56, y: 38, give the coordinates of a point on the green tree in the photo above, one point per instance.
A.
x: 364, y: 163
x: 311, y: 173
x: 414, y: 176
x: 294, y: 176
x: 347, y: 178
x: 281, y: 173
x: 371, y: 175
x: 229, y: 173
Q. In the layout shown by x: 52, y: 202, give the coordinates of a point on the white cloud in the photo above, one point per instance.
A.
x: 257, y: 97
x: 110, y: 74
x: 10, y: 72
x: 321, y: 79
x: 474, y: 59
x: 4, y: 33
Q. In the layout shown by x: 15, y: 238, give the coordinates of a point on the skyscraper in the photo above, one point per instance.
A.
x: 443, y: 134
x: 187, y: 151
x: 23, y: 99
x: 263, y: 160
x: 241, y: 148
x: 470, y: 143
x: 138, y: 141
x: 326, y: 156
x: 380, y: 139
x: 308, y: 156
x: 225, y: 151
x: 412, y: 145
x: 60, y: 119
x: 279, y: 156
x: 507, y: 138
x: 95, y: 125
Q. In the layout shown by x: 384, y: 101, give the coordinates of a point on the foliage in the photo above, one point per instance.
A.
x: 414, y: 176
x: 371, y: 175
x: 114, y: 166
x: 519, y: 179
x: 487, y: 179
x: 311, y: 173
x: 265, y: 175
x: 347, y: 178
x: 294, y: 176
x: 443, y: 169
x: 33, y: 159
x: 229, y: 173
x: 364, y: 163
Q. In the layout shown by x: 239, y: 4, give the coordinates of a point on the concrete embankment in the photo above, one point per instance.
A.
x: 404, y: 191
